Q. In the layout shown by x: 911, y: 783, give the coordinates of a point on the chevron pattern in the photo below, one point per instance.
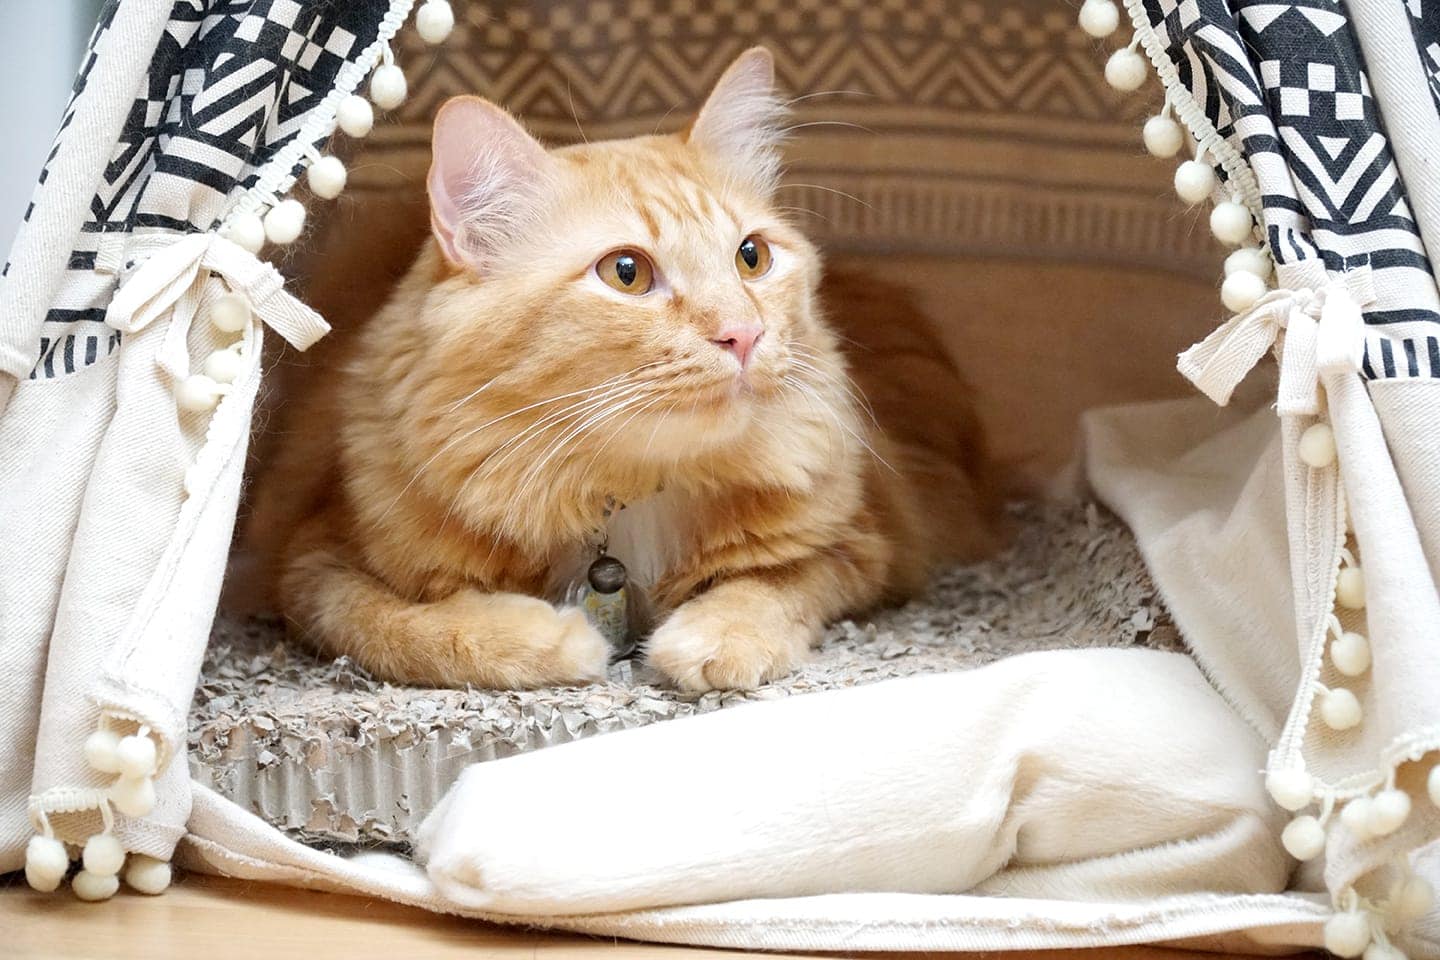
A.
x: 937, y: 126
x: 632, y: 64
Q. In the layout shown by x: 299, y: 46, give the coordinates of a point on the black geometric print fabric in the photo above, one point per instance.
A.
x: 230, y: 83
x: 1286, y: 85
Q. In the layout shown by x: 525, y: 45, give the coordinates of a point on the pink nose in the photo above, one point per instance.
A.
x: 740, y: 341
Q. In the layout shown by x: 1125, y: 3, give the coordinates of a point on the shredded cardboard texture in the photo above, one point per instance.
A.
x: 329, y: 754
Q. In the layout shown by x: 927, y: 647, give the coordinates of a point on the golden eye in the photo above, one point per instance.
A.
x: 753, y: 257
x: 628, y: 271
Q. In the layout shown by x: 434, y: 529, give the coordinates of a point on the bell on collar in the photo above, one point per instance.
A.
x: 606, y: 605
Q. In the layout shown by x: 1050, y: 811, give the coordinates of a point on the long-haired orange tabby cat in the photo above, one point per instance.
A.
x: 618, y: 344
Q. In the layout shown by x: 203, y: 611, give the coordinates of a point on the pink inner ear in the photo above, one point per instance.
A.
x: 484, y: 169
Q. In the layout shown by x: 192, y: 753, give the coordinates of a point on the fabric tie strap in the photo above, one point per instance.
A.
x: 181, y: 273
x: 1323, y: 330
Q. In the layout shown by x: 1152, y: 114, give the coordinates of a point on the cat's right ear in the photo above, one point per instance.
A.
x: 487, y: 177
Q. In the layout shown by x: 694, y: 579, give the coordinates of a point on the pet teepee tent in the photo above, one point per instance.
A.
x: 1115, y: 796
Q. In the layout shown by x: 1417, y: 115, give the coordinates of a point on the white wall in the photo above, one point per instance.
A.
x: 44, y: 40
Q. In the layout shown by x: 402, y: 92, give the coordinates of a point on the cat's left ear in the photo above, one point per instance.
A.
x: 741, y: 123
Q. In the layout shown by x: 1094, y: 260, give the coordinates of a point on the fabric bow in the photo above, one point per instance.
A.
x: 185, y: 274
x: 1323, y: 331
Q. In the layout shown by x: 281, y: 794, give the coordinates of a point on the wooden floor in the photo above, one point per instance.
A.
x: 211, y: 919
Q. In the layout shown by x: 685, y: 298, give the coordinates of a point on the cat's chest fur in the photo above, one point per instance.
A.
x: 647, y: 535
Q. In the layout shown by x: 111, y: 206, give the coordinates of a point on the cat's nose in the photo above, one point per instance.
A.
x: 740, y: 341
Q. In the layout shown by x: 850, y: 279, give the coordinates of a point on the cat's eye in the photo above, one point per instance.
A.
x: 752, y: 258
x: 628, y: 271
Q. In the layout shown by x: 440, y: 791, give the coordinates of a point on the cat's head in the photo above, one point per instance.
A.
x: 645, y: 288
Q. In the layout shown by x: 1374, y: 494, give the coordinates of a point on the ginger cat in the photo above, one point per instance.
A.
x: 626, y: 324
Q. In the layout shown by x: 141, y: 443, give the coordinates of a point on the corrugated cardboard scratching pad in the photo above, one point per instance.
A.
x: 322, y: 750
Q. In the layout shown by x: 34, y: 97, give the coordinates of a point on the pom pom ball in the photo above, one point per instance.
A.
x: 1350, y: 588
x: 137, y: 756
x: 1317, y: 446
x: 1356, y: 817
x: 1347, y: 934
x: 103, y: 854
x: 197, y: 393
x: 435, y: 20
x: 1388, y: 811
x: 1249, y: 260
x: 1340, y: 709
x: 1350, y: 652
x: 285, y: 221
x: 388, y: 87
x: 46, y: 863
x: 134, y: 797
x: 1125, y: 70
x: 95, y: 886
x: 147, y: 875
x: 355, y: 116
x: 230, y: 313
x: 246, y: 230
x: 100, y: 751
x: 1163, y: 136
x: 224, y: 366
x: 1194, y: 181
x: 1290, y: 789
x: 326, y: 177
x: 1303, y: 838
x: 1240, y: 291
x: 1231, y: 222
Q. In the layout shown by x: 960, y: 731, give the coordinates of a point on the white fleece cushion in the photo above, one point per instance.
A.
x: 1099, y: 775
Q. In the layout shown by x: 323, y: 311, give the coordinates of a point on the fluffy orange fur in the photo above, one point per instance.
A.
x: 446, y: 483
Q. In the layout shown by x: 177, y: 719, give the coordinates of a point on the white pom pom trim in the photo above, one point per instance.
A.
x: 285, y: 221
x: 1340, y: 709
x: 1303, y: 838
x: 1290, y: 789
x: 137, y: 756
x: 1388, y: 811
x: 1240, y: 291
x: 1347, y: 934
x: 46, y: 863
x: 1231, y: 222
x: 1250, y: 260
x: 94, y: 887
x: 1195, y: 181
x: 1125, y: 70
x: 247, y: 231
x: 225, y: 366
x: 147, y: 875
x: 1350, y: 652
x: 435, y: 19
x: 101, y: 749
x: 134, y: 797
x: 103, y: 854
x: 198, y: 393
x: 355, y: 116
x: 1350, y: 588
x: 1163, y: 136
x: 388, y: 87
x: 326, y: 177
x: 1316, y: 448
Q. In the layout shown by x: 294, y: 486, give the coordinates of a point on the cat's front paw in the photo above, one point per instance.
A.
x: 509, y: 641
x: 581, y: 653
x: 711, y: 645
